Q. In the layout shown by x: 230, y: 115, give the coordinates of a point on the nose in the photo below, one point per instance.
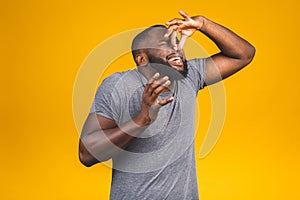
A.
x: 175, y: 50
x: 175, y: 47
x: 171, y: 50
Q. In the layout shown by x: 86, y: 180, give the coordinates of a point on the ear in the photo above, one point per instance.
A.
x: 141, y: 59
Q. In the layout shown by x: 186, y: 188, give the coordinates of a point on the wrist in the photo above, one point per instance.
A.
x: 142, y: 119
x: 201, y: 22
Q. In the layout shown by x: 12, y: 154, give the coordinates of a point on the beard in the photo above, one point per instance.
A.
x: 165, y: 69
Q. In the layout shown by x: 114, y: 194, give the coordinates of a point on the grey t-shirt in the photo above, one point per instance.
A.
x: 160, y: 163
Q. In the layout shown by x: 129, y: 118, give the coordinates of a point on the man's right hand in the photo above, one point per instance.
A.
x: 150, y: 105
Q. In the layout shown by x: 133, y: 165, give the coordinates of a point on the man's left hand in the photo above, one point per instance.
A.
x: 186, y: 26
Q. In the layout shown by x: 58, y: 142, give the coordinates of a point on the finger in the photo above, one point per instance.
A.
x: 159, y: 89
x: 175, y: 21
x: 169, y: 32
x: 151, y: 81
x: 156, y: 84
x: 182, y: 41
x: 174, y: 40
x: 165, y: 101
x: 184, y: 15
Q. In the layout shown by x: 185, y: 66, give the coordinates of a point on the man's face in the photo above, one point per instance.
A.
x: 163, y: 57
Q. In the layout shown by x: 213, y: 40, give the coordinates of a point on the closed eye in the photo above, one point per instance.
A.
x: 163, y: 43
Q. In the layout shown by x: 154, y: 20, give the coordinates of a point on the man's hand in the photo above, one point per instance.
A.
x: 186, y: 27
x: 150, y: 104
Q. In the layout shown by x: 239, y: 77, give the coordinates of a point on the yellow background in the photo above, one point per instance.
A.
x: 43, y: 44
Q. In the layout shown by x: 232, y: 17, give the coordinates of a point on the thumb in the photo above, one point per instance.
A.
x: 165, y: 101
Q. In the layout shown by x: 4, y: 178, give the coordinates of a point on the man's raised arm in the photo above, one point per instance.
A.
x: 235, y: 53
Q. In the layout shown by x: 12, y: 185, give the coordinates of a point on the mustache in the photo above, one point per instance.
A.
x: 172, y: 55
x: 165, y: 69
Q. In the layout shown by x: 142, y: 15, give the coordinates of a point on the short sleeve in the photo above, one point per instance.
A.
x: 106, y: 101
x: 197, y: 72
x: 92, y: 110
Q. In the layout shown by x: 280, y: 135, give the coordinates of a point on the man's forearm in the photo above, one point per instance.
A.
x: 101, y: 145
x: 230, y: 44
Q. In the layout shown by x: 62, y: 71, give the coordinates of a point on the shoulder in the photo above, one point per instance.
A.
x: 197, y: 72
x: 115, y: 79
x: 196, y: 63
x: 106, y: 101
x: 116, y: 84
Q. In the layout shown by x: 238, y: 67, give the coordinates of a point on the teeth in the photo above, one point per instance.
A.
x: 175, y: 59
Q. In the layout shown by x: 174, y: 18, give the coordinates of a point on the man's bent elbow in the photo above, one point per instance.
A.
x: 249, y: 55
x: 86, y: 160
x: 85, y: 157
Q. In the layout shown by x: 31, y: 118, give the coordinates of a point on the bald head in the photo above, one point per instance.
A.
x: 145, y: 39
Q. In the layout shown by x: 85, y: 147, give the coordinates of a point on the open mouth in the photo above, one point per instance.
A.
x: 175, y: 61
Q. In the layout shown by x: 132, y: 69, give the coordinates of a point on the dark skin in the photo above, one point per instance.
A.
x: 102, y: 138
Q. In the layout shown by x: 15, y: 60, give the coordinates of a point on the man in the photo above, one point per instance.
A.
x: 143, y: 119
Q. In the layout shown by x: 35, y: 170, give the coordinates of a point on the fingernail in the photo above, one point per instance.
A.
x: 165, y: 77
x: 167, y: 83
x: 156, y: 75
